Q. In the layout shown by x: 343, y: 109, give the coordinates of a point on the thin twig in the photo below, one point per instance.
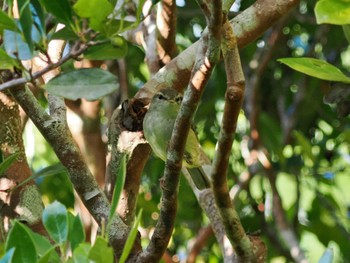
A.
x: 21, y: 81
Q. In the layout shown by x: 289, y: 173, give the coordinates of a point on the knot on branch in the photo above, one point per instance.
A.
x: 235, y: 92
x: 133, y: 112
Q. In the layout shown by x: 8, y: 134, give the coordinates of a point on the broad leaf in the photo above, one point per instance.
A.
x: 20, y: 239
x: 6, y: 22
x: 46, y: 251
x: 7, y: 62
x: 316, y: 68
x: 65, y: 33
x: 91, y: 84
x: 61, y: 9
x: 7, y: 162
x: 101, y: 252
x: 81, y: 253
x: 56, y: 221
x: 332, y: 12
x: 15, y: 46
x: 117, y: 48
x: 96, y: 10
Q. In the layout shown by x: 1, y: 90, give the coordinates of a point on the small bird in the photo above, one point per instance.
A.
x: 158, y: 125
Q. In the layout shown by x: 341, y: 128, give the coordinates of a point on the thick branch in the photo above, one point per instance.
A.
x: 248, y: 26
x: 166, y: 31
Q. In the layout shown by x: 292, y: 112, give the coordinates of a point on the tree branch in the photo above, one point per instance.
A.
x: 21, y: 81
x: 166, y: 31
x: 261, y: 16
x: 58, y: 136
x: 199, y: 78
x: 233, y: 101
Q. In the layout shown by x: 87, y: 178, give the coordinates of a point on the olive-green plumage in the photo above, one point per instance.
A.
x: 158, y: 125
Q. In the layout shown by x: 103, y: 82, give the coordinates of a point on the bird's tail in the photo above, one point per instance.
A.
x: 200, y: 177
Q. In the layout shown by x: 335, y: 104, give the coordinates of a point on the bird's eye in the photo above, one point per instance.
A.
x: 178, y: 99
x: 160, y: 97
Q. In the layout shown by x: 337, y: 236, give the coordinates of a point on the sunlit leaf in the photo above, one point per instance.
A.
x: 117, y: 48
x: 316, y: 68
x: 333, y: 12
x: 91, y: 84
x: 56, y: 222
x: 95, y: 10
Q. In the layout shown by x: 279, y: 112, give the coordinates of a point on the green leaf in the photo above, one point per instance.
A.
x: 46, y: 251
x: 101, y: 252
x: 38, y: 15
x: 81, y: 253
x: 20, y: 239
x: 56, y: 221
x: 65, y: 33
x: 90, y: 83
x: 7, y: 23
x: 335, y: 12
x: 7, y: 162
x: 131, y: 239
x: 26, y: 21
x: 116, y: 49
x: 76, y: 233
x: 61, y: 9
x: 15, y: 46
x: 96, y: 10
x: 118, y: 188
x: 7, y: 62
x: 316, y: 68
